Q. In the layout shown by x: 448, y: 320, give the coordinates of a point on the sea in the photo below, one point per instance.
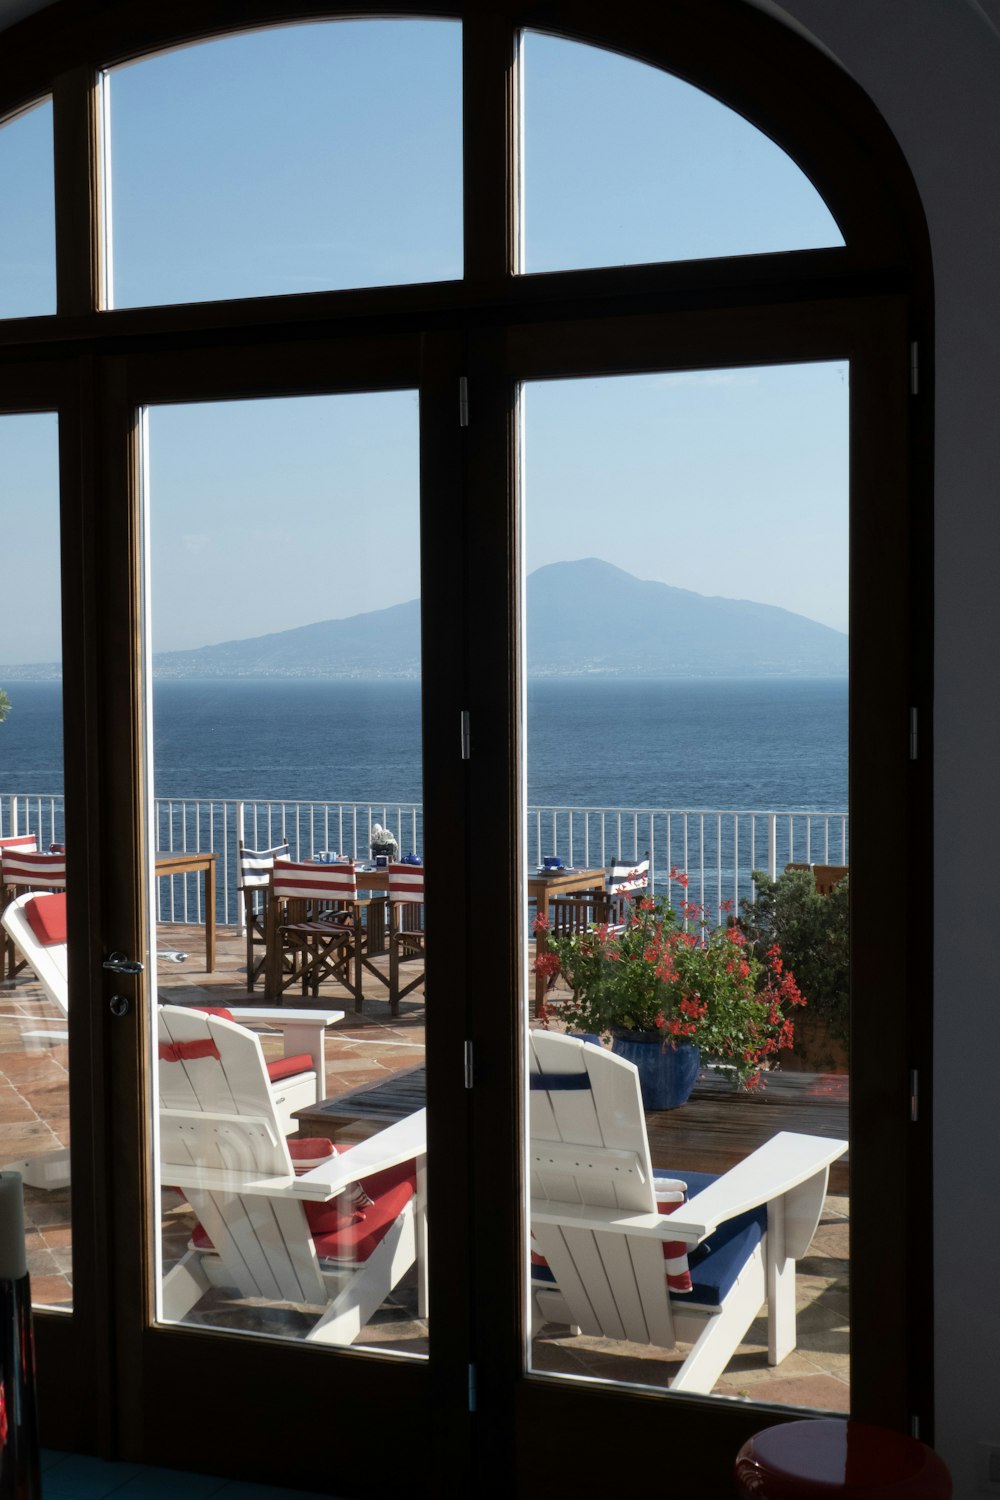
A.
x: 776, y: 743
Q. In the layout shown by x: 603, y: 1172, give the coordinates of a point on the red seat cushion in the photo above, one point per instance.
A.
x: 340, y: 1232
x: 284, y: 1067
x: 352, y: 1236
x: 47, y: 918
x: 311, y: 1152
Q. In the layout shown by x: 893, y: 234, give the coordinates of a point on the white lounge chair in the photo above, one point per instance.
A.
x: 264, y: 1230
x: 598, y: 1239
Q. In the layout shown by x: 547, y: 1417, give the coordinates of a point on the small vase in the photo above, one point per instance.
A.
x: 666, y: 1074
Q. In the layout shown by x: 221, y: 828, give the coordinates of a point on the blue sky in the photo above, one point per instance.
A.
x: 316, y: 156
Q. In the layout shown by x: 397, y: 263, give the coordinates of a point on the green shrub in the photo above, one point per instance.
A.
x: 814, y: 936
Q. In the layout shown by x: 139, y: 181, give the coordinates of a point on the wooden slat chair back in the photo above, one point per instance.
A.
x: 406, y: 930
x: 598, y: 1239
x: 222, y: 1146
x: 827, y: 877
x: 625, y: 882
x: 255, y: 866
x: 315, y: 930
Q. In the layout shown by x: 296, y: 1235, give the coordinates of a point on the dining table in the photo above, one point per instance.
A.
x: 542, y: 886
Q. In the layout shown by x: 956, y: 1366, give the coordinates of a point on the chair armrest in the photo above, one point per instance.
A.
x: 787, y: 1166
x: 284, y: 1016
x: 302, y: 1031
x: 406, y: 1140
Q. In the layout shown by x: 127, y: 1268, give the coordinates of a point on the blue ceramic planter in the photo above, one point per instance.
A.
x: 666, y: 1074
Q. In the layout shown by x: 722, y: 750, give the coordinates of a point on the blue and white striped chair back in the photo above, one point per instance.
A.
x: 256, y: 864
x: 627, y: 878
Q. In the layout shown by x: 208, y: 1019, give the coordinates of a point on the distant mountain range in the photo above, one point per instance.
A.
x: 585, y: 618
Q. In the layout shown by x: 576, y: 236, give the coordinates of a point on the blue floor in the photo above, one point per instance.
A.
x: 68, y: 1476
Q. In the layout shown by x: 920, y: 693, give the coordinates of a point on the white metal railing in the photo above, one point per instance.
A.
x: 717, y: 848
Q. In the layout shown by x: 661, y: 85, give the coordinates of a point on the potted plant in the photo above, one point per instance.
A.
x: 383, y: 843
x: 669, y: 989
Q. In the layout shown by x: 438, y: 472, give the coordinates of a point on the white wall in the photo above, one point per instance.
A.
x: 932, y: 67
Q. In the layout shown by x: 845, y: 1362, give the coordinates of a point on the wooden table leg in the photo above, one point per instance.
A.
x: 210, y: 916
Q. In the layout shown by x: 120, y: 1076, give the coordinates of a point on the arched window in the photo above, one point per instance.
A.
x: 476, y: 427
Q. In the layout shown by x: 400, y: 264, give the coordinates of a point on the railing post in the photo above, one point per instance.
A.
x: 772, y: 845
x: 241, y: 809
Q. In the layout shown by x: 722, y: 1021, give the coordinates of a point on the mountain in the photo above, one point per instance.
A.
x: 585, y: 617
x: 592, y: 617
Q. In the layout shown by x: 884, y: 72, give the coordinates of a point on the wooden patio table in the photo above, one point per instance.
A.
x: 545, y: 884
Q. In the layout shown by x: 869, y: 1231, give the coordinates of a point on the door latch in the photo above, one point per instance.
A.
x: 120, y: 963
x: 119, y: 1005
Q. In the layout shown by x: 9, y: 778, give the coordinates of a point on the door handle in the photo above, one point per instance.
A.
x: 119, y: 963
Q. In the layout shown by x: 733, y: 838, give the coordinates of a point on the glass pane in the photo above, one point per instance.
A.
x: 687, y: 840
x: 34, y: 1052
x: 27, y: 215
x: 292, y: 160
x: 287, y: 838
x: 658, y: 171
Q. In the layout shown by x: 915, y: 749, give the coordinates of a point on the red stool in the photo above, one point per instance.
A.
x: 820, y: 1460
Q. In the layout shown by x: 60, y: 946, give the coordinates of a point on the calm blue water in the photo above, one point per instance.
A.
x: 777, y: 743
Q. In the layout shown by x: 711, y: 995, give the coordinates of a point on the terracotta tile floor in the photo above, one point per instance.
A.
x: 360, y: 1050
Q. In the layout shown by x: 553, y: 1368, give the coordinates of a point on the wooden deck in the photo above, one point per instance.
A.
x: 711, y: 1133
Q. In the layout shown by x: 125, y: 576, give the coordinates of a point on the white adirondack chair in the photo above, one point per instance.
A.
x: 598, y: 1237
x: 47, y: 958
x: 222, y: 1145
x: 298, y: 1078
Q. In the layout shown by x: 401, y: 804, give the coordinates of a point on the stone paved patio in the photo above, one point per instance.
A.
x: 34, y: 1117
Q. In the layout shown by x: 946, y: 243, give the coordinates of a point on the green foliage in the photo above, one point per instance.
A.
x: 814, y: 936
x: 4, y: 705
x: 678, y: 982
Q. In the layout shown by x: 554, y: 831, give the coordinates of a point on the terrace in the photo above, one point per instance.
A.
x: 371, y: 1058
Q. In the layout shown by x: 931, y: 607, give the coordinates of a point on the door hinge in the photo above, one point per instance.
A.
x: 466, y: 736
x: 463, y: 401
x: 472, y: 1387
x: 914, y: 368
x: 913, y: 734
x: 914, y: 1096
x: 914, y: 1426
x: 468, y: 1065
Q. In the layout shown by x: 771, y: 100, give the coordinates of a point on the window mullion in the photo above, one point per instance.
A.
x: 79, y: 192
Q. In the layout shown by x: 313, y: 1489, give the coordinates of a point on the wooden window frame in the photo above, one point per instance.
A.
x: 868, y: 301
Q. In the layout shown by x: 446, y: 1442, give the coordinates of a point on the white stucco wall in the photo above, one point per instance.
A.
x: 933, y: 69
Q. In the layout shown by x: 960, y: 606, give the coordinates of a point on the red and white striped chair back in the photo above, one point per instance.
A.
x: 314, y: 882
x: 28, y: 868
x: 22, y: 841
x: 406, y: 883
